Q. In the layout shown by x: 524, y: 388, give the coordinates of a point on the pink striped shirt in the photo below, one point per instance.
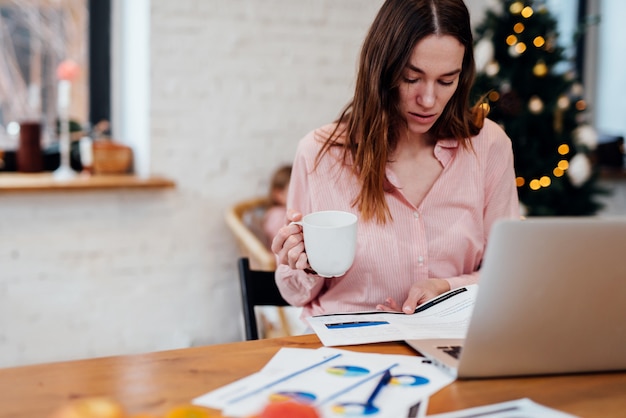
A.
x: 444, y: 237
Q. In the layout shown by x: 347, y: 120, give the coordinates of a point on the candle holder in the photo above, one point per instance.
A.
x: 65, y: 171
x: 66, y: 71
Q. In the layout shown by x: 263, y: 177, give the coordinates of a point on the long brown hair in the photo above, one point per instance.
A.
x: 370, y: 122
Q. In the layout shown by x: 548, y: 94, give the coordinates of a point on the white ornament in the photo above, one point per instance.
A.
x: 579, y: 169
x: 492, y: 68
x: 586, y: 135
x: 483, y: 53
x: 535, y: 105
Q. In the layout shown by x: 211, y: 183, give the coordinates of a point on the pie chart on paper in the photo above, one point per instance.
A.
x: 348, y: 371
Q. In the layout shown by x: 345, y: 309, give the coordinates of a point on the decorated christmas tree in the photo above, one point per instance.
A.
x: 533, y: 91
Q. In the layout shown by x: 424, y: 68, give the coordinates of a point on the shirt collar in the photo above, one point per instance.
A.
x: 445, y: 150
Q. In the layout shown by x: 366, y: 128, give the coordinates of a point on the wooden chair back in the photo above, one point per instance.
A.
x: 258, y: 288
x: 247, y: 236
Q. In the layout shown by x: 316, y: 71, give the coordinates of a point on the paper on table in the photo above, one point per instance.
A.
x: 513, y: 409
x: 283, y: 363
x: 339, y: 377
x: 447, y: 316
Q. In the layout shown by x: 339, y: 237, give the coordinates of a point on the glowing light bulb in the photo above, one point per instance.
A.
x: 535, y: 104
x: 563, y: 165
x: 492, y: 68
x: 539, y: 41
x: 519, y: 27
x: 527, y: 12
x: 520, y: 48
x: 577, y: 89
x: 511, y: 40
x: 563, y: 149
x: 519, y: 181
x: 545, y: 181
x: 540, y: 69
x: 534, y: 184
x: 516, y: 7
x: 563, y: 102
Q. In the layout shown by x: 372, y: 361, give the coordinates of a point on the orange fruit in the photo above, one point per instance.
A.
x: 188, y: 411
x: 93, y: 407
x: 288, y: 410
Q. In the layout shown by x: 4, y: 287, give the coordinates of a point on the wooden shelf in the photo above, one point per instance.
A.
x: 36, y: 182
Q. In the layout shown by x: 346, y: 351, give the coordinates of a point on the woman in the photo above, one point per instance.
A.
x: 426, y: 174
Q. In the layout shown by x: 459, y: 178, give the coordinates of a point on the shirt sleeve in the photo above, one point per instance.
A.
x: 296, y: 286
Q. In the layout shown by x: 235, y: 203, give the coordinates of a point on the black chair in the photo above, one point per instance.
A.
x: 258, y: 288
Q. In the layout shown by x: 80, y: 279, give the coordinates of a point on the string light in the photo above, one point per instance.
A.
x: 546, y: 181
x: 516, y: 7
x: 520, y: 48
x: 511, y: 40
x: 539, y: 41
x: 534, y: 184
x: 581, y: 105
x: 527, y: 12
x: 540, y: 69
x: 519, y: 27
x: 535, y: 105
x: 492, y: 68
x: 563, y: 102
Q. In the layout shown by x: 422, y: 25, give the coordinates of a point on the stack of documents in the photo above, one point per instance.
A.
x: 336, y: 382
x: 446, y: 316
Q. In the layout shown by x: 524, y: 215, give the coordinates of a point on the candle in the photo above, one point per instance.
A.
x: 63, y: 96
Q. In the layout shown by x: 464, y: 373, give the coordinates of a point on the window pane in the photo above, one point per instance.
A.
x: 35, y: 37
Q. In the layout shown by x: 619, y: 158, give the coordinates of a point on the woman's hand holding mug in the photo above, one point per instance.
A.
x: 325, y: 241
x: 288, y: 244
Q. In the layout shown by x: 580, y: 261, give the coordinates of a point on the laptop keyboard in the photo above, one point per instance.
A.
x: 453, y: 350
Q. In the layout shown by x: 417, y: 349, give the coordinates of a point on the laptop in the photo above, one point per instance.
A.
x: 551, y: 300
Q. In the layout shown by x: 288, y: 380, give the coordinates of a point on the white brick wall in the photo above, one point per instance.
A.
x: 234, y: 85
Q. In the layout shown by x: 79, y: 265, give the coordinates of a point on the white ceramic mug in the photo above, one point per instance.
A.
x: 329, y: 241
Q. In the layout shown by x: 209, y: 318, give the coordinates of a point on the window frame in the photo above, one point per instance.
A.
x: 99, y: 60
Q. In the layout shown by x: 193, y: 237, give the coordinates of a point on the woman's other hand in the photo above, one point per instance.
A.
x: 288, y: 244
x: 419, y: 293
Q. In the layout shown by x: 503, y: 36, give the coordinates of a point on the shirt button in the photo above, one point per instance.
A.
x: 420, y: 260
x: 416, y: 215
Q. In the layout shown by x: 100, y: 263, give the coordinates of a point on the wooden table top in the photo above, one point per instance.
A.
x: 155, y: 382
